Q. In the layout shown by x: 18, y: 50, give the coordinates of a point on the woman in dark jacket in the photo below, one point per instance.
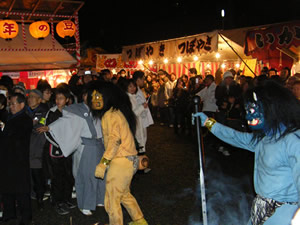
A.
x: 180, y: 102
x: 14, y: 161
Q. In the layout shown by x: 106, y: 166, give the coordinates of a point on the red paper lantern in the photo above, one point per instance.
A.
x: 39, y: 29
x: 8, y: 29
x: 65, y: 28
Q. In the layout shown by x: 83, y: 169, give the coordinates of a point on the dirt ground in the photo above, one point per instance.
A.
x: 170, y: 193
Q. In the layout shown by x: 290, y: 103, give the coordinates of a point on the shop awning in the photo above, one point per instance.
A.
x: 33, y: 54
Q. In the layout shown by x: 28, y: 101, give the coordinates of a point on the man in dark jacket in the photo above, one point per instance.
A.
x: 37, y: 112
x: 227, y: 88
x: 14, y: 161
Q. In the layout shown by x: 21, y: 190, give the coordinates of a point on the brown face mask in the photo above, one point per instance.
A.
x: 97, y: 100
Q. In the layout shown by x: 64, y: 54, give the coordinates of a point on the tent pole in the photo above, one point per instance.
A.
x: 236, y: 53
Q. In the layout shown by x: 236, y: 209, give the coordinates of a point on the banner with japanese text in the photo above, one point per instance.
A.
x: 30, y: 78
x: 114, y: 61
x: 195, y: 45
x: 269, y: 43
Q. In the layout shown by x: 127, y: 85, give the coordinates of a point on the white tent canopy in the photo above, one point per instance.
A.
x: 40, y: 54
x: 235, y: 38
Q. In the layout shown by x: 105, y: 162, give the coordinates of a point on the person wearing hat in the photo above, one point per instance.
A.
x: 227, y: 88
x: 20, y: 88
x: 37, y: 113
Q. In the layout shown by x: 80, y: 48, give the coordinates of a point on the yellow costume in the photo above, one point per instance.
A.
x: 119, y: 147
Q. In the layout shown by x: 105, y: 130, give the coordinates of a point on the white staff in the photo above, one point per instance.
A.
x: 196, y: 100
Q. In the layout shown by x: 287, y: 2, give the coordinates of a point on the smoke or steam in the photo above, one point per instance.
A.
x: 228, y: 199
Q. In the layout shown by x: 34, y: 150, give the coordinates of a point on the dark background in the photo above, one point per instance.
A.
x: 113, y: 24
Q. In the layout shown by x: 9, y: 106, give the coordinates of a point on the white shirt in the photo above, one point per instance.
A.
x: 207, y: 95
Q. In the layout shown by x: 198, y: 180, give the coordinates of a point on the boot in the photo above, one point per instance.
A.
x: 139, y: 222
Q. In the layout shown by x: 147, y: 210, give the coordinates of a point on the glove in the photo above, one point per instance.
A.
x: 203, y: 118
x: 100, y: 170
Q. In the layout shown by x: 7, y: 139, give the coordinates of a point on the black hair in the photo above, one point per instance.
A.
x: 7, y: 81
x: 115, y: 98
x: 43, y: 85
x: 281, y: 109
x: 131, y: 81
x: 193, y: 70
x: 138, y: 74
x: 3, y: 100
x: 20, y: 97
x: 122, y: 83
x: 210, y: 77
x: 64, y: 91
x: 104, y: 72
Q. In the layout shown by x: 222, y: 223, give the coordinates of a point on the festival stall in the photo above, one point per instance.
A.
x: 115, y: 63
x: 30, y: 40
x: 246, y: 49
x: 276, y: 45
x: 206, y: 52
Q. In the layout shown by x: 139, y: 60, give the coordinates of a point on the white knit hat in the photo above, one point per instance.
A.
x: 227, y: 74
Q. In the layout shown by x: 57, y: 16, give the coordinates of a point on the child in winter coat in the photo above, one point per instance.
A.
x: 59, y: 167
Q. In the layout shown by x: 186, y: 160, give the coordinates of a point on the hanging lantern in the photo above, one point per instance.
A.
x: 39, y: 29
x: 65, y: 28
x: 9, y: 29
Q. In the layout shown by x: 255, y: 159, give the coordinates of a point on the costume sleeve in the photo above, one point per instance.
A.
x: 66, y: 131
x: 233, y: 137
x: 111, y: 123
x: 294, y: 161
x: 137, y: 108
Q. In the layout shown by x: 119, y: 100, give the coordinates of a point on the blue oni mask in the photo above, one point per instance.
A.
x: 255, y: 115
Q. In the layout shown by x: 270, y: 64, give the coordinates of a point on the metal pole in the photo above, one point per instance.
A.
x: 236, y: 53
x: 196, y: 101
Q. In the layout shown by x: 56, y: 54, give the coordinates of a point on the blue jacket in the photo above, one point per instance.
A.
x: 276, y: 168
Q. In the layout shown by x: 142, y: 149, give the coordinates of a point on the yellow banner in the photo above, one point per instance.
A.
x: 252, y: 64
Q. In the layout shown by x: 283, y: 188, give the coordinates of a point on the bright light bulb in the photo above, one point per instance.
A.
x: 218, y: 55
x: 179, y: 59
x: 223, y: 65
x: 140, y: 62
x: 150, y: 62
x: 223, y: 13
x: 237, y: 65
x: 166, y: 60
x: 208, y: 66
x: 196, y: 58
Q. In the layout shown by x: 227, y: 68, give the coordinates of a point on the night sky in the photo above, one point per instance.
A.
x: 112, y: 24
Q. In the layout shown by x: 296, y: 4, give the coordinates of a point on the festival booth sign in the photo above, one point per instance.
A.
x: 181, y: 47
x: 35, y: 53
x: 278, y: 44
x: 115, y: 62
x: 197, y: 51
x: 30, y: 78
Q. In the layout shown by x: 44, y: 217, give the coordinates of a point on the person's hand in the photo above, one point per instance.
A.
x: 2, y: 125
x: 203, y: 118
x: 145, y: 105
x: 42, y: 129
x: 100, y: 170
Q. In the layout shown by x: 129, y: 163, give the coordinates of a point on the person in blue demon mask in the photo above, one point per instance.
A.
x: 273, y: 114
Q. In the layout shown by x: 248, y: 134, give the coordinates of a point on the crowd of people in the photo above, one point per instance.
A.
x: 45, y: 131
